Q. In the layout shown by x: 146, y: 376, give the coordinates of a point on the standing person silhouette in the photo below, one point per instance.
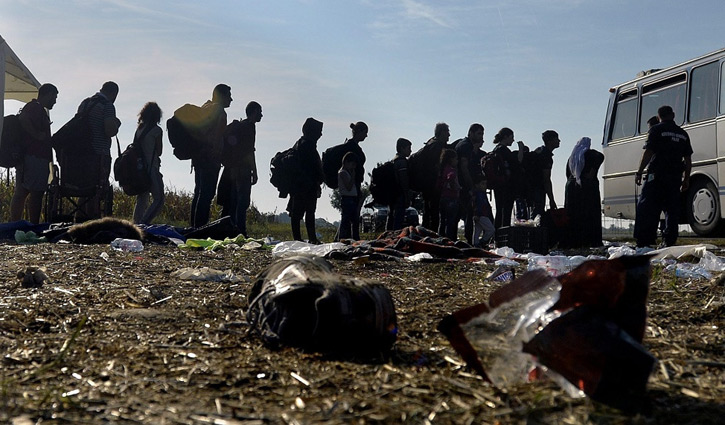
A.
x: 207, y: 161
x: 304, y: 194
x: 31, y: 175
x: 149, y: 138
x: 512, y: 188
x: 431, y: 191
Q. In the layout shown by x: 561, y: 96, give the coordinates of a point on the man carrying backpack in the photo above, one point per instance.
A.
x: 308, y: 187
x: 396, y: 214
x: 103, y: 125
x: 429, y: 179
x: 31, y: 175
x: 207, y: 162
x: 332, y: 161
x: 538, y: 166
x: 240, y: 166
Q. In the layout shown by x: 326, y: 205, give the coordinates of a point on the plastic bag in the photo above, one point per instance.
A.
x: 300, y: 302
x: 207, y: 274
x: 291, y: 248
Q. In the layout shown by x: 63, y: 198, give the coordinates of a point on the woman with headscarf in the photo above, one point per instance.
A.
x: 582, y: 198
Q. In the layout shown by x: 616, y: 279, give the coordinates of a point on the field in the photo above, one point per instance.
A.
x: 113, y: 338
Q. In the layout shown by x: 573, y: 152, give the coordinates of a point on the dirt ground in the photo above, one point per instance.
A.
x: 114, y: 338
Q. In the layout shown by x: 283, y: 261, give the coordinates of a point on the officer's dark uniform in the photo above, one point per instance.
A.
x: 661, y: 190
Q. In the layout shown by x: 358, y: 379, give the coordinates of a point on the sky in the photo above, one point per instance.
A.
x: 401, y: 66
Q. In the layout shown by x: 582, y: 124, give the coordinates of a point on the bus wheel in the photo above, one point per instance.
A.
x: 703, y: 207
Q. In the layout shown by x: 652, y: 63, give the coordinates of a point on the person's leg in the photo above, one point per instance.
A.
x: 441, y: 218
x: 344, y: 231
x: 158, y: 195
x: 310, y: 220
x: 488, y: 230
x: 243, y: 197
x: 35, y: 205
x: 205, y: 179
x: 356, y: 216
x: 142, y: 203
x: 17, y: 204
x: 477, y: 231
x: 647, y: 216
x: 295, y: 213
x: 672, y: 211
x: 452, y: 220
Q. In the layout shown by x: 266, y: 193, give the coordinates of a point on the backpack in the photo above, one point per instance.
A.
x: 185, y: 145
x: 383, y: 183
x: 75, y: 136
x: 235, y: 149
x: 494, y: 170
x: 331, y: 163
x: 284, y: 168
x: 130, y: 170
x: 420, y: 164
x: 11, y: 142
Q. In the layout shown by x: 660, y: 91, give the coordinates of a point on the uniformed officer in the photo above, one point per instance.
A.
x: 667, y: 157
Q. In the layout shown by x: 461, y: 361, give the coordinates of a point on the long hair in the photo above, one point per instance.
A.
x: 150, y: 114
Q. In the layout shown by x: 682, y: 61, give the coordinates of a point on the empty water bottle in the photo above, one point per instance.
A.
x: 128, y: 245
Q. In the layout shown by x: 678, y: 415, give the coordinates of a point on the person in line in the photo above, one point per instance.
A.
x: 104, y: 125
x: 668, y: 158
x: 431, y: 190
x: 513, y: 176
x: 240, y: 168
x: 352, y: 145
x: 484, y: 229
x: 207, y: 162
x: 149, y: 138
x: 396, y: 215
x: 303, y: 196
x: 538, y: 174
x: 31, y: 175
x: 450, y: 190
x: 653, y: 121
x: 469, y: 170
x: 349, y: 195
x: 582, y: 199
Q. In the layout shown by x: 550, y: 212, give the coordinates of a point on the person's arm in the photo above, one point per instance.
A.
x: 111, y: 123
x: 549, y: 188
x: 646, y: 157
x: 255, y: 176
x: 686, y: 179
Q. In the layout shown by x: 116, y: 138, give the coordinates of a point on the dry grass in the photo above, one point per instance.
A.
x: 119, y: 340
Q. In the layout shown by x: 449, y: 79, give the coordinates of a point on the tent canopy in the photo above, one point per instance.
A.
x: 20, y: 84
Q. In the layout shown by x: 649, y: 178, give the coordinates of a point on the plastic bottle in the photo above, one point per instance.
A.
x: 128, y: 245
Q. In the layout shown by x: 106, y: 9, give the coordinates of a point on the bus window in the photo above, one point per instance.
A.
x: 722, y: 90
x: 671, y: 91
x: 703, y: 92
x: 625, y: 115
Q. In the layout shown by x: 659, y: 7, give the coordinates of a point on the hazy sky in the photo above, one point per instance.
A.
x: 399, y: 65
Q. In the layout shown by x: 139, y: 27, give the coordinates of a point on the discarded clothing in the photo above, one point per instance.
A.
x: 414, y: 240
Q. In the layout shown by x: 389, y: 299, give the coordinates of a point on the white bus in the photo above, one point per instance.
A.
x: 696, y: 91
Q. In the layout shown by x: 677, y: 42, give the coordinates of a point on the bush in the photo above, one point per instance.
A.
x: 176, y: 210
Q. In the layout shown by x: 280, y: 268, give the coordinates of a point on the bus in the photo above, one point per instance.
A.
x: 695, y: 89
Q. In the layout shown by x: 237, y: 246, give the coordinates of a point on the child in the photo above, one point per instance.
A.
x: 348, y: 195
x: 450, y: 190
x: 482, y: 215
